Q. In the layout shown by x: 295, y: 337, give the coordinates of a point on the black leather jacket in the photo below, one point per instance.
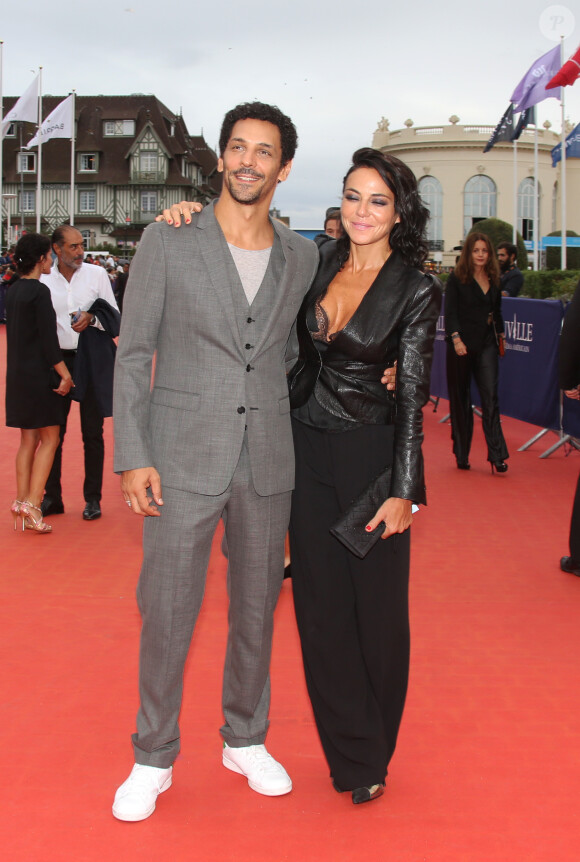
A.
x: 395, y: 321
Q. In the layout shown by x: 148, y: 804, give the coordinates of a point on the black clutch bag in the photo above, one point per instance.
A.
x: 350, y: 527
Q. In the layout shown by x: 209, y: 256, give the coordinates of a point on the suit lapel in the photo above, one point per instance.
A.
x: 222, y: 270
x: 280, y: 276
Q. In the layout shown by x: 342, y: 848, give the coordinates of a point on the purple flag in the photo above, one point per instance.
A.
x: 532, y: 87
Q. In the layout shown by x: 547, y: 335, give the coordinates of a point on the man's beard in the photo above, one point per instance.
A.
x: 245, y: 195
x: 504, y: 265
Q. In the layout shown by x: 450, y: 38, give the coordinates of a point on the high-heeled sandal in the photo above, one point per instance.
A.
x: 499, y: 466
x: 16, y: 508
x: 32, y: 522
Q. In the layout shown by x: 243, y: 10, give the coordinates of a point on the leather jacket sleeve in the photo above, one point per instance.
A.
x: 416, y: 339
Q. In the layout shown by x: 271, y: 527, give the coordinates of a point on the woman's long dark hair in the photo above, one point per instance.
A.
x: 408, y: 236
x: 464, y: 269
x: 30, y: 248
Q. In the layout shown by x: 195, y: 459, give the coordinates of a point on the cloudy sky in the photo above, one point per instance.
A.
x: 335, y: 67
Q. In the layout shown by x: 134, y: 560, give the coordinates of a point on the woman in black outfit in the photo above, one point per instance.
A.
x: 32, y: 404
x: 474, y: 327
x: 368, y: 307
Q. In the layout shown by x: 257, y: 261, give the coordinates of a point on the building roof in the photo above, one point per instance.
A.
x: 91, y: 112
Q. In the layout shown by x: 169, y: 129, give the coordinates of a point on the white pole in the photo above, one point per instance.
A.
x: 72, y: 162
x: 1, y: 140
x: 563, y: 164
x: 514, y: 228
x: 39, y: 165
x: 535, y: 232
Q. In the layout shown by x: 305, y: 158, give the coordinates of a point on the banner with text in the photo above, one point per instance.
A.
x: 528, y: 373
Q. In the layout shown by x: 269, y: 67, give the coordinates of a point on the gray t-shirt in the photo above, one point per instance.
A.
x: 251, y: 266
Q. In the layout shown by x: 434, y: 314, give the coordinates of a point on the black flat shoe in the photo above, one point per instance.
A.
x: 567, y: 564
x: 463, y: 465
x: 499, y: 466
x: 366, y: 794
x: 50, y: 506
x: 92, y: 510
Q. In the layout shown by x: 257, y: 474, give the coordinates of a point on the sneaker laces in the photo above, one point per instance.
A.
x: 263, y: 761
x: 141, y: 781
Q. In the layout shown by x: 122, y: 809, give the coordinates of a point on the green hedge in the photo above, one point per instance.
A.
x: 550, y: 284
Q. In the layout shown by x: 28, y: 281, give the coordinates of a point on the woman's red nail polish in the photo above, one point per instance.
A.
x: 368, y: 528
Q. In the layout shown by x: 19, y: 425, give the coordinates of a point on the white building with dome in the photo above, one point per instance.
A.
x: 462, y: 185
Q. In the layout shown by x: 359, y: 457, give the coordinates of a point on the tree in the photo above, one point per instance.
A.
x: 554, y: 254
x: 501, y: 231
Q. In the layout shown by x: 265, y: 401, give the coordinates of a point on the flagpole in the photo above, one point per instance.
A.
x: 1, y: 139
x: 563, y: 260
x: 515, y: 220
x: 72, y: 162
x: 536, y: 214
x: 39, y: 164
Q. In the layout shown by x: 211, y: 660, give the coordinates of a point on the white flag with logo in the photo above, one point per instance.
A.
x: 58, y: 124
x: 25, y: 110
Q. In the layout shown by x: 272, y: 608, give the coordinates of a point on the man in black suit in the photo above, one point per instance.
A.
x: 511, y: 277
x: 569, y: 374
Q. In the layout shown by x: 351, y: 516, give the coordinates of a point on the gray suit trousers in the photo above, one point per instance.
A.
x: 177, y: 546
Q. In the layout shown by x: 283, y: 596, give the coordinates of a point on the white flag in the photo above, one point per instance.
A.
x: 58, y: 124
x: 25, y: 110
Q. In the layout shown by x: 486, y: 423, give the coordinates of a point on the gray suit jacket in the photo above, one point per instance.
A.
x: 219, y: 363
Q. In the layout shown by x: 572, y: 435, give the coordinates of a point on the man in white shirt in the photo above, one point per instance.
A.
x: 74, y: 287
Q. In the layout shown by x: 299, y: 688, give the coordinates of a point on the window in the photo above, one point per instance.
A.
x: 119, y: 128
x: 432, y: 196
x: 27, y: 202
x: 26, y: 163
x: 148, y: 160
x: 88, y: 201
x: 11, y: 133
x: 479, y: 201
x: 148, y: 202
x: 526, y: 208
x: 87, y: 236
x: 88, y: 162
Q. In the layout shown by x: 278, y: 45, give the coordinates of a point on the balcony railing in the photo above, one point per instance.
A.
x: 140, y: 217
x: 147, y: 177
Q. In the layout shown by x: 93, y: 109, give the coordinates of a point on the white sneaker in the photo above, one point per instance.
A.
x: 135, y: 799
x: 265, y: 775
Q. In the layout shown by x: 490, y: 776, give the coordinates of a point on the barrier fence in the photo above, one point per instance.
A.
x: 528, y: 373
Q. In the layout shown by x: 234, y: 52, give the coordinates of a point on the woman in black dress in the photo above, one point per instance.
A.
x: 34, y: 402
x: 369, y: 306
x: 474, y: 327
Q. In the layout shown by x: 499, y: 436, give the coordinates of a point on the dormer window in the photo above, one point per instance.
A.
x: 119, y: 128
x: 26, y: 163
x: 88, y: 162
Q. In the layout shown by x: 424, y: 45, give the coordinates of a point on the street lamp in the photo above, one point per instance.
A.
x: 8, y: 197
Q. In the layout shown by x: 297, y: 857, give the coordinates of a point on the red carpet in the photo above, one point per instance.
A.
x: 488, y: 764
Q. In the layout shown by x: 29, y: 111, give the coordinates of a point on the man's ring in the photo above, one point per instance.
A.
x: 128, y: 502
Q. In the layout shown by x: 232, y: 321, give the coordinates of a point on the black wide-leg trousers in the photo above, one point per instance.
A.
x: 352, y: 615
x: 482, y: 365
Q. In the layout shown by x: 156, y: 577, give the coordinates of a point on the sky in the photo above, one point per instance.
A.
x: 336, y: 68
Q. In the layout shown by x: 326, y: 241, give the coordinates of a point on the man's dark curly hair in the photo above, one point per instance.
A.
x: 268, y: 114
x: 408, y: 236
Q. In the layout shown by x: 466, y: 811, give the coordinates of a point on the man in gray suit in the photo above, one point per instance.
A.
x: 215, y: 303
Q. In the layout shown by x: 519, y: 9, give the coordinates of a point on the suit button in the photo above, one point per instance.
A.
x: 241, y: 410
x: 248, y: 367
x: 248, y: 346
x: 250, y: 320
